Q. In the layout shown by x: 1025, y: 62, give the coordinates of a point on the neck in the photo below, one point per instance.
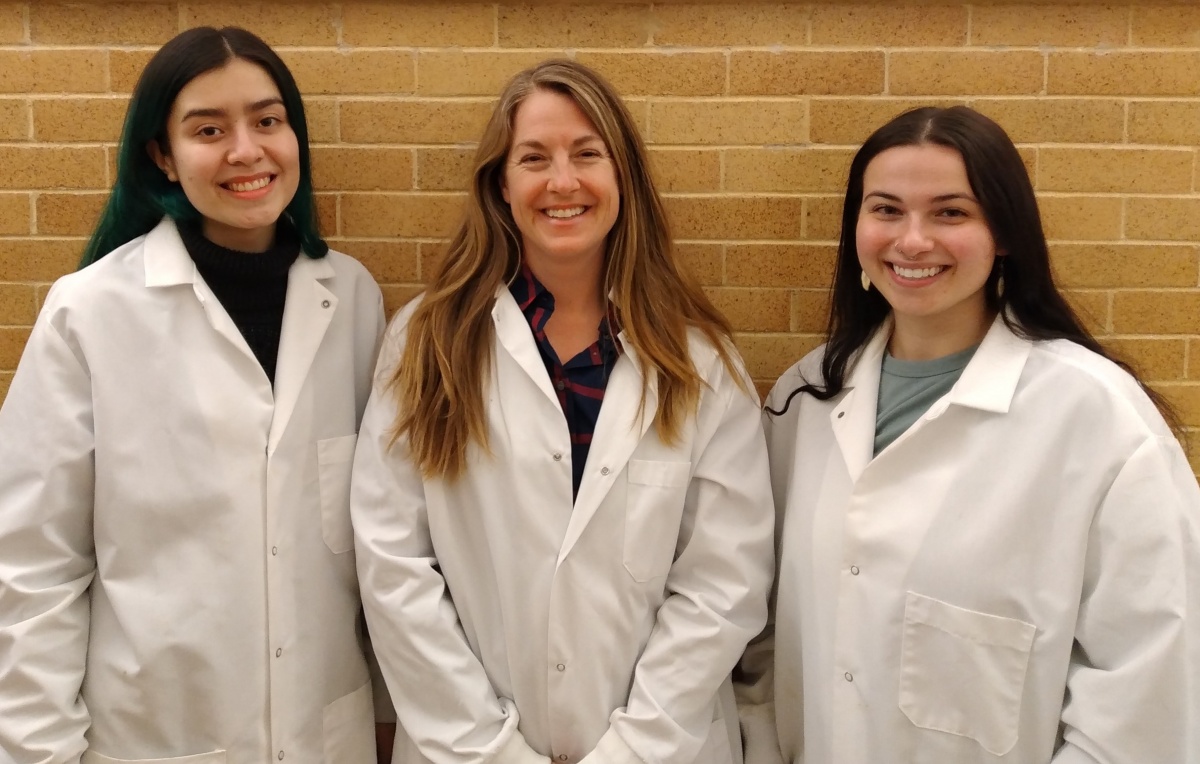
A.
x: 577, y: 285
x: 923, y: 339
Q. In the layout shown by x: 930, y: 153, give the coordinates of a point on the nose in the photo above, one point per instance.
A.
x: 563, y: 178
x: 245, y: 147
x: 913, y: 239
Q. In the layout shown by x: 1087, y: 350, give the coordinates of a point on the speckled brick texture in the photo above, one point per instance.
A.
x: 751, y: 111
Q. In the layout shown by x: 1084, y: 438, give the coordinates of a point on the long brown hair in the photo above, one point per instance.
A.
x: 447, y: 357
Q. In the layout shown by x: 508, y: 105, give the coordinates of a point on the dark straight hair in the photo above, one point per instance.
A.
x: 142, y: 195
x: 1029, y: 304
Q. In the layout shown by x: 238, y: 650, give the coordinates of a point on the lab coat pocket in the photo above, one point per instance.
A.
x: 349, y: 728
x: 213, y: 757
x: 653, y: 508
x: 334, y: 458
x: 963, y: 672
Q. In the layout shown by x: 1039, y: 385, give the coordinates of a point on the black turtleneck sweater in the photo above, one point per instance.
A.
x: 251, y: 286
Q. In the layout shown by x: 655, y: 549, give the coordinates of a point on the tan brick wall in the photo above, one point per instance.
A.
x: 752, y: 111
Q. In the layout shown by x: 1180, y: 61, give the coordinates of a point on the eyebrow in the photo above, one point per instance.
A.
x: 940, y: 198
x: 256, y: 106
x: 577, y: 142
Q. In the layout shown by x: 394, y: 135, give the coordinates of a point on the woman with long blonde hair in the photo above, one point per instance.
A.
x: 561, y: 506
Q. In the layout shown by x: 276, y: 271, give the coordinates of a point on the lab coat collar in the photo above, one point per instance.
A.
x: 853, y: 418
x: 990, y: 379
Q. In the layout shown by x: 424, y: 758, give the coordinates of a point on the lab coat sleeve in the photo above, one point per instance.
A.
x: 717, y: 590
x: 1133, y: 680
x: 441, y: 693
x: 47, y: 557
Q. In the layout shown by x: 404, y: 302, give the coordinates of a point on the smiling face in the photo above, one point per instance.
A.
x: 924, y: 242
x: 232, y: 150
x: 560, y: 183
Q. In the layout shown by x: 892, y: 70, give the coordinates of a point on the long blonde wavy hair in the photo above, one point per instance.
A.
x: 447, y: 357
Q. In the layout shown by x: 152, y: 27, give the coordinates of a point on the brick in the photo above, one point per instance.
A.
x: 433, y: 25
x: 968, y: 72
x: 1156, y: 312
x: 722, y: 217
x: 1193, y: 361
x: 1154, y: 359
x: 430, y: 257
x: 413, y: 121
x: 660, y: 74
x: 729, y: 121
x: 12, y: 22
x: 322, y: 117
x: 102, y: 23
x: 358, y: 71
x: 14, y: 119
x: 1185, y: 398
x: 396, y: 296
x: 1162, y: 219
x: 704, y: 261
x: 70, y: 120
x: 51, y: 167
x: 1092, y: 308
x: 852, y: 120
x: 1066, y: 25
x: 1081, y: 218
x: 14, y: 215
x: 715, y: 26
x: 1123, y: 73
x: 1117, y: 170
x: 1164, y: 122
x: 457, y: 72
x: 823, y: 217
x: 51, y: 71
x: 573, y: 26
x: 406, y: 215
x: 389, y: 261
x: 39, y: 259
x: 18, y: 304
x: 884, y: 25
x: 69, y: 214
x: 12, y: 342
x: 780, y: 265
x: 1112, y: 265
x: 445, y: 169
x: 124, y: 68
x: 767, y: 356
x: 279, y: 23
x: 686, y: 169
x: 1057, y: 120
x: 806, y: 73
x: 1165, y: 26
x: 763, y: 310
x: 327, y: 214
x: 348, y: 168
x: 786, y: 169
x: 810, y: 310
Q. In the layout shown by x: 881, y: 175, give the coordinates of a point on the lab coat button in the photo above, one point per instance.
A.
x: 274, y: 551
x: 281, y: 755
x: 558, y: 457
x: 278, y: 651
x: 324, y: 304
x: 562, y: 757
x: 604, y: 470
x: 854, y: 570
x: 561, y: 667
x: 841, y: 414
x: 849, y: 676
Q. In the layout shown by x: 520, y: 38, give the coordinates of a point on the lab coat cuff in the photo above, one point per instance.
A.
x: 611, y: 749
x: 517, y: 751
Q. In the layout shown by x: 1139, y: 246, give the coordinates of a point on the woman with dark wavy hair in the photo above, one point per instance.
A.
x: 988, y: 546
x: 176, y: 575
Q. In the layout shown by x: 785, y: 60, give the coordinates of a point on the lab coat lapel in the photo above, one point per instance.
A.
x: 619, y: 430
x: 513, y: 334
x: 853, y: 418
x: 308, y: 310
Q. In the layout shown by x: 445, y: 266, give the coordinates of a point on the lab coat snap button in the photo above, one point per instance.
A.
x: 849, y: 677
x: 558, y: 457
x: 604, y: 470
x: 561, y: 667
x: 854, y: 570
x: 324, y: 304
x: 281, y: 755
x: 562, y: 757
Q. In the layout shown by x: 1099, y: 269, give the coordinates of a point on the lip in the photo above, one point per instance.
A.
x: 905, y: 281
x: 252, y: 194
x: 545, y: 212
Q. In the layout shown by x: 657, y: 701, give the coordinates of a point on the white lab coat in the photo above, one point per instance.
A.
x: 176, y: 566
x: 1020, y: 564
x: 511, y: 627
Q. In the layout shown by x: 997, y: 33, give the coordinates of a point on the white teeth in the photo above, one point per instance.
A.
x: 253, y: 185
x: 917, y: 273
x: 570, y: 212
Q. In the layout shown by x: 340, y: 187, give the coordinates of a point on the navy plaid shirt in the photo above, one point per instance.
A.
x: 580, y: 382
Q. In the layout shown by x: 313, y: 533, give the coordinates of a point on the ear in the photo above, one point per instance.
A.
x: 164, y: 161
x: 504, y: 192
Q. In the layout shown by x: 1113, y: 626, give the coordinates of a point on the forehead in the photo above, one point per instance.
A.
x: 228, y: 87
x: 929, y: 166
x: 547, y: 114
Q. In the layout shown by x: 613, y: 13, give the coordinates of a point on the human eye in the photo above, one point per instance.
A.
x: 952, y: 213
x: 271, y: 120
x: 531, y: 159
x: 591, y: 153
x: 883, y: 209
x: 208, y: 131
